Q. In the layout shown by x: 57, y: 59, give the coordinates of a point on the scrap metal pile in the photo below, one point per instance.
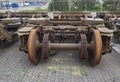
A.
x: 65, y: 31
x: 8, y: 28
x: 112, y: 21
x: 10, y: 22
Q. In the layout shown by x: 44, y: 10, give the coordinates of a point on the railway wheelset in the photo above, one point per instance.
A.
x: 42, y: 35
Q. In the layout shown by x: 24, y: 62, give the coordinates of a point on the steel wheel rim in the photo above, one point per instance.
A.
x: 34, y: 52
x: 96, y: 51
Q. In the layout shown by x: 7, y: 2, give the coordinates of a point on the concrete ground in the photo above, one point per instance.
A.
x: 65, y: 66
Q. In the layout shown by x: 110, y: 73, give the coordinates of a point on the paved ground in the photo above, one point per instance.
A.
x: 65, y: 66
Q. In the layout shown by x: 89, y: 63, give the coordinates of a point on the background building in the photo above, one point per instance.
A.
x: 8, y: 4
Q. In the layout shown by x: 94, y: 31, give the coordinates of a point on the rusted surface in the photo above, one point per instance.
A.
x: 95, y: 51
x: 34, y: 52
x: 45, y: 46
x: 64, y: 46
x: 67, y: 31
x: 83, y: 47
x: 25, y: 29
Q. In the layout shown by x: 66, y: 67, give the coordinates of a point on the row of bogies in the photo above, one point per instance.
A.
x: 12, y: 21
x: 112, y: 21
x: 27, y: 26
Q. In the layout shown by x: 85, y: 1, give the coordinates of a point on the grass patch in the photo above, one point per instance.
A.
x: 35, y: 10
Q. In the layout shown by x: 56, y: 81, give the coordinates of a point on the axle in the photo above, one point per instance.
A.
x: 64, y: 46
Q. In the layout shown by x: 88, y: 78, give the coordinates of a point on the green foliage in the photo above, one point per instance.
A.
x: 77, y: 5
x: 81, y: 5
x: 69, y: 5
x: 111, y: 5
x: 59, y: 5
x: 96, y: 8
x: 35, y: 10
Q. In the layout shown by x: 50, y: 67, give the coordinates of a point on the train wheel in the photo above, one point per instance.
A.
x: 96, y: 48
x: 45, y: 46
x: 83, y: 46
x: 34, y: 52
